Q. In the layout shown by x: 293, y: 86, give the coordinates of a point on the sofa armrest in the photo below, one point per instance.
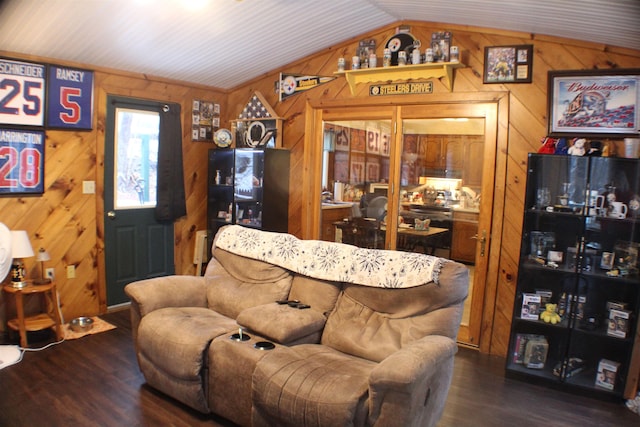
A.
x: 168, y: 291
x: 410, y: 386
x: 283, y: 324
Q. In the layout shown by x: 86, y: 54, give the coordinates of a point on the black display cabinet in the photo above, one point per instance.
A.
x: 249, y: 187
x: 579, y: 250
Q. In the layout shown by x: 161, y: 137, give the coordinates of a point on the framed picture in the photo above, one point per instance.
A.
x: 205, y: 120
x: 22, y: 162
x: 508, y: 64
x: 593, y: 102
x: 22, y: 95
x: 69, y: 98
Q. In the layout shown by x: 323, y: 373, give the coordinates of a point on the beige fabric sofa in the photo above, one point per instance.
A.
x: 359, y: 355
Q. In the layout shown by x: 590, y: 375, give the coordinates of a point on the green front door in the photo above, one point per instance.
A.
x: 136, y: 245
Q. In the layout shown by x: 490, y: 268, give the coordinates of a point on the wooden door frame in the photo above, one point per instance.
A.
x: 311, y: 199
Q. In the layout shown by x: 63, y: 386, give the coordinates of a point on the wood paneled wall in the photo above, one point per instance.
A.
x: 527, y: 125
x: 69, y: 224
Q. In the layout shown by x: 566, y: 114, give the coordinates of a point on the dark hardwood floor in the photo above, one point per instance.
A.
x: 95, y: 381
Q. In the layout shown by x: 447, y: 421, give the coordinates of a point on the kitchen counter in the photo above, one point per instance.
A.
x: 331, y: 212
x: 469, y: 210
x: 337, y: 205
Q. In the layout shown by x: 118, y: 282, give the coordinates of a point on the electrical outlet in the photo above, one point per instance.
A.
x: 71, y: 271
x: 50, y: 273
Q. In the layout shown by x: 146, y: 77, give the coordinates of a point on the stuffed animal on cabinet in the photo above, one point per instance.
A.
x: 562, y: 146
x: 548, y: 145
x: 578, y: 148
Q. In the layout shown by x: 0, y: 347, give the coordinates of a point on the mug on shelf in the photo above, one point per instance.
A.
x: 618, y: 210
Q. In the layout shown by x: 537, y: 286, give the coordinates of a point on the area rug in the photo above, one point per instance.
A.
x: 99, y: 325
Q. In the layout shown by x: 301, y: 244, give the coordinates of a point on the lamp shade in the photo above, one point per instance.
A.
x: 20, y: 245
x: 42, y: 255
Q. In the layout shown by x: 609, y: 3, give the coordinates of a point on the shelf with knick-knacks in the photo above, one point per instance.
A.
x: 406, y: 72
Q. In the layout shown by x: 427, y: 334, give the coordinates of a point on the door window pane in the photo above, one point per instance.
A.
x: 136, y: 158
x: 355, y: 181
x: 441, y: 179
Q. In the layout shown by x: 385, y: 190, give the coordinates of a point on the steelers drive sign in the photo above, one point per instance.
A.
x: 401, y: 89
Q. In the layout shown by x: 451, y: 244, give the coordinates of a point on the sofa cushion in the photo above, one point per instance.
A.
x: 172, y: 342
x: 310, y: 385
x: 374, y: 323
x: 321, y: 295
x: 235, y: 283
x: 282, y: 323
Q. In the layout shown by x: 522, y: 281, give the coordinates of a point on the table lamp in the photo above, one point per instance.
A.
x: 20, y: 248
x: 41, y: 257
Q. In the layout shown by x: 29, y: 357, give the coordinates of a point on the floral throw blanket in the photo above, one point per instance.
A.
x: 332, y: 261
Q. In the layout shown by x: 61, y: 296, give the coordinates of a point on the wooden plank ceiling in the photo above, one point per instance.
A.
x: 224, y: 43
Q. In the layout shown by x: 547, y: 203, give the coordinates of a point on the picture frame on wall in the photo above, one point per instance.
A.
x: 69, y: 98
x: 593, y: 103
x: 508, y: 64
x: 205, y: 120
x: 23, y: 163
x: 23, y: 93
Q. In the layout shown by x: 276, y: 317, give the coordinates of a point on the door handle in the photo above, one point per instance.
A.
x: 111, y: 215
x: 483, y: 241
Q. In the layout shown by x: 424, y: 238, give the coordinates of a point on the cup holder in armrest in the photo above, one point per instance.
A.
x: 240, y: 337
x: 264, y: 345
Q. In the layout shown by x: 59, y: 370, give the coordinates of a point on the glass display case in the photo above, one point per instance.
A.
x: 249, y: 187
x: 578, y: 290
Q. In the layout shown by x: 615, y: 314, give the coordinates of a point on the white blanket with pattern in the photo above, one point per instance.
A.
x: 332, y: 261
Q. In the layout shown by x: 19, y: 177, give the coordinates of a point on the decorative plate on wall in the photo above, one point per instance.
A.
x: 223, y: 138
x: 398, y: 42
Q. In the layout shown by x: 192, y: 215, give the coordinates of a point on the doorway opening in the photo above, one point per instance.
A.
x: 433, y: 167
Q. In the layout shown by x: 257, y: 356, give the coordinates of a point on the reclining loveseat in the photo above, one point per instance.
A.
x: 287, y: 332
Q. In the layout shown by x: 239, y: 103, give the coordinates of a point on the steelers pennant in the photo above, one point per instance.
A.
x: 290, y: 84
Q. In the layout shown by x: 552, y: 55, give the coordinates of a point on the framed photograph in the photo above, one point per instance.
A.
x: 508, y: 64
x: 22, y: 162
x: 205, y: 120
x: 593, y: 103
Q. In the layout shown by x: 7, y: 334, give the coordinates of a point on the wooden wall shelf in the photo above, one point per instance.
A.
x: 407, y: 72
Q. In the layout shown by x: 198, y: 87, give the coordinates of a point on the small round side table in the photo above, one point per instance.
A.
x: 49, y: 318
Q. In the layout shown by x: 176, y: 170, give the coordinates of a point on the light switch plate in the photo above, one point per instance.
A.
x: 71, y: 271
x: 88, y: 187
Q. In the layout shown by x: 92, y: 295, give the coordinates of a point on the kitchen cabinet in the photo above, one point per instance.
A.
x: 464, y: 235
x: 452, y: 156
x: 249, y: 187
x: 579, y: 250
x: 472, y: 170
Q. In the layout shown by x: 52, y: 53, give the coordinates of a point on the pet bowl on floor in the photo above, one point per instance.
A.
x: 81, y: 324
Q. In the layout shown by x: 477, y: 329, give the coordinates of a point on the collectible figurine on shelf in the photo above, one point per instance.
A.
x: 578, y: 147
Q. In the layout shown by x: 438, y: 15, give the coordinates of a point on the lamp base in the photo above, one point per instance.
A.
x: 19, y: 285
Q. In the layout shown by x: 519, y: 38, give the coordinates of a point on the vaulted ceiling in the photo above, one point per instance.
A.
x: 223, y: 43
